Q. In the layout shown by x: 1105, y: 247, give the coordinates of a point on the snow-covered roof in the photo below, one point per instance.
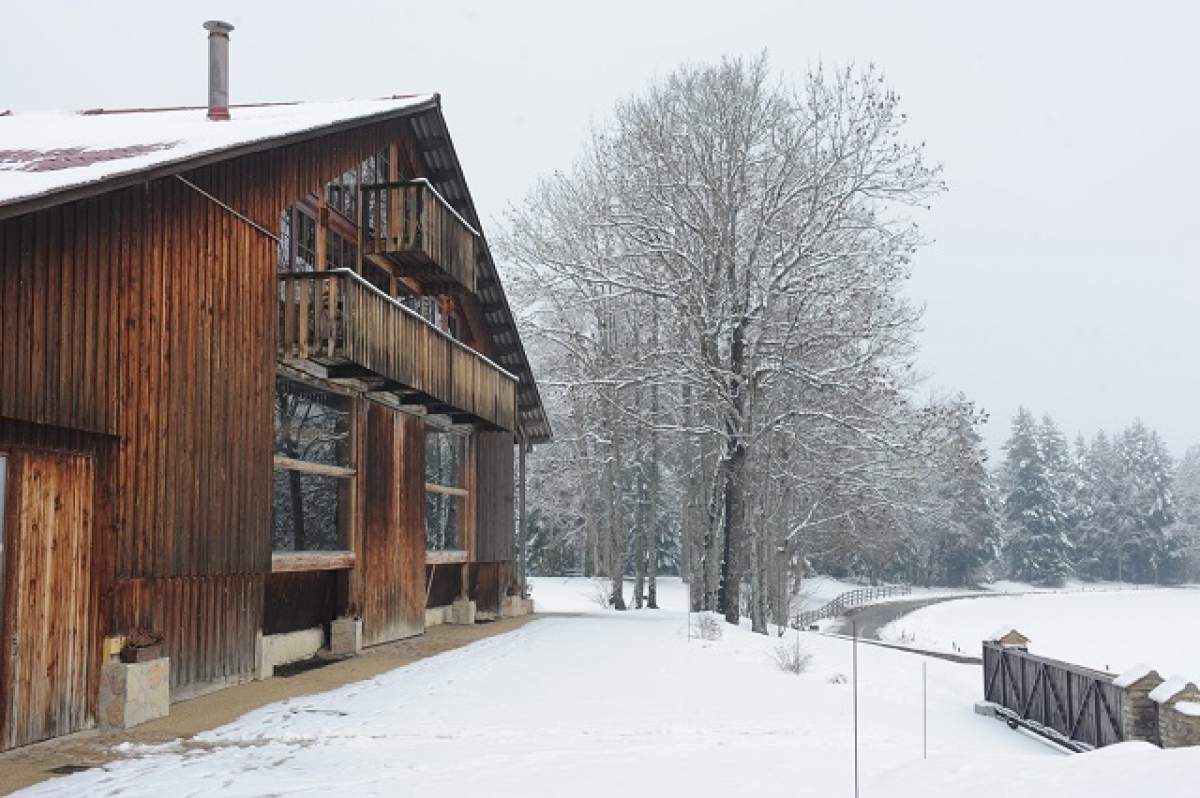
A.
x: 43, y: 153
x: 1005, y: 631
x: 1169, y: 689
x: 1132, y: 676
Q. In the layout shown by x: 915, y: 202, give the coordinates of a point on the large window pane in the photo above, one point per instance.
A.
x: 444, y: 456
x: 307, y: 511
x: 311, y: 424
x: 441, y: 521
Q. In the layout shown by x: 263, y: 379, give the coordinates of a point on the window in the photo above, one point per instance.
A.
x: 285, y: 240
x: 340, y: 252
x: 343, y: 194
x: 304, y: 229
x: 445, y: 467
x: 313, y: 468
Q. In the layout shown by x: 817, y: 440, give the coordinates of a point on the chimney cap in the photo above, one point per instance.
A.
x: 217, y: 26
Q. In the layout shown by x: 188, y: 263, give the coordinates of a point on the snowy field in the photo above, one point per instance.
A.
x: 1111, y: 631
x: 597, y: 703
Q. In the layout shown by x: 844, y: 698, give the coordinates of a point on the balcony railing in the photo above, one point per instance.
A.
x: 336, y: 319
x: 414, y: 228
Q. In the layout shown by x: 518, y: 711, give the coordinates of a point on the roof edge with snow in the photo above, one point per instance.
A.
x: 167, y: 166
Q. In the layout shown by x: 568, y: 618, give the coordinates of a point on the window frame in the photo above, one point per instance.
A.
x: 458, y: 493
x: 344, y: 557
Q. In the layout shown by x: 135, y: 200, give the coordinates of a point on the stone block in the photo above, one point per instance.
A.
x: 1139, y: 714
x: 345, y: 637
x: 435, y: 616
x: 462, y: 612
x: 133, y: 693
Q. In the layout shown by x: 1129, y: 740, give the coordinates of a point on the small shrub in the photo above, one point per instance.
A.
x: 707, y: 625
x: 602, y: 592
x: 791, y: 658
x: 837, y: 678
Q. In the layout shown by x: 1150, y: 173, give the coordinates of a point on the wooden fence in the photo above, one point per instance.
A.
x: 1076, y: 707
x: 850, y: 600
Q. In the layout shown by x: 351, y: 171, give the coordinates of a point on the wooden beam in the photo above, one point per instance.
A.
x: 292, y: 561
x: 446, y: 489
x: 447, y: 557
x: 306, y: 467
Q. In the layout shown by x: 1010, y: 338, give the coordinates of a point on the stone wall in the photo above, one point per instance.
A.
x: 1180, y: 727
x: 1139, y: 715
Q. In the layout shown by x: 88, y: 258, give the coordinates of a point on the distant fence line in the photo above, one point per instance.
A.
x: 849, y: 600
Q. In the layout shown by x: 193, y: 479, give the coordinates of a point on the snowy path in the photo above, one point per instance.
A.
x: 607, y: 703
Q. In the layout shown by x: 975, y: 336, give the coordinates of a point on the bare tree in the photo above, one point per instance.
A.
x: 724, y: 266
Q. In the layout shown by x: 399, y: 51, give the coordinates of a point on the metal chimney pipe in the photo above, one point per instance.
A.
x: 218, y: 68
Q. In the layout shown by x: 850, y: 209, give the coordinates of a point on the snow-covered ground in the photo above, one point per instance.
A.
x: 1111, y: 631
x: 598, y: 703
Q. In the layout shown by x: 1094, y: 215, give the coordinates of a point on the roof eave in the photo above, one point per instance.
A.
x: 65, y: 194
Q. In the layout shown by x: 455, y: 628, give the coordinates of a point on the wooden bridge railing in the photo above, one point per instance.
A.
x: 336, y: 317
x: 411, y: 224
x: 1077, y: 707
x: 850, y: 600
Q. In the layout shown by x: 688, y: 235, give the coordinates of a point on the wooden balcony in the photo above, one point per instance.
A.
x: 337, y: 325
x: 409, y: 228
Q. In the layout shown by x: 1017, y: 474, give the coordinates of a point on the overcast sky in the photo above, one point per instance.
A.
x: 1064, y: 271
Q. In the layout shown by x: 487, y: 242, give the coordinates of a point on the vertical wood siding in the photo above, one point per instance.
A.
x: 148, y: 315
x: 392, y: 473
x: 493, y: 496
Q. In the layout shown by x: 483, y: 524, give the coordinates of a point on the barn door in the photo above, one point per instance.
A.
x: 47, y: 619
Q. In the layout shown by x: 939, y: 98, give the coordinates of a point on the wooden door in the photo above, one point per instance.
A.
x: 393, y: 546
x: 47, y: 652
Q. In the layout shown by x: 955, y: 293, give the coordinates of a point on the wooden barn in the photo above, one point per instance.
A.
x: 261, y: 393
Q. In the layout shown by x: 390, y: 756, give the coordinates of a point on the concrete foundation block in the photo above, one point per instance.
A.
x: 133, y: 693
x: 345, y: 637
x: 985, y: 708
x: 280, y: 649
x: 462, y: 612
x: 515, y: 607
x: 435, y: 616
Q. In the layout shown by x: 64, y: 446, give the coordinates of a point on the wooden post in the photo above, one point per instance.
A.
x: 522, y: 521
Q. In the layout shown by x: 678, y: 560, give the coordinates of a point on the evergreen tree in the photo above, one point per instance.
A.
x: 1036, y: 543
x: 1095, y: 534
x: 1148, y: 551
x: 1187, y: 506
x: 971, y: 538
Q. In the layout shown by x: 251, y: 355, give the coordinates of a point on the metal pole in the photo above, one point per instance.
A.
x: 854, y: 649
x: 924, y: 710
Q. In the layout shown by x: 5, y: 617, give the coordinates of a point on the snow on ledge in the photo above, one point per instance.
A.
x: 1189, y: 708
x: 1132, y: 676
